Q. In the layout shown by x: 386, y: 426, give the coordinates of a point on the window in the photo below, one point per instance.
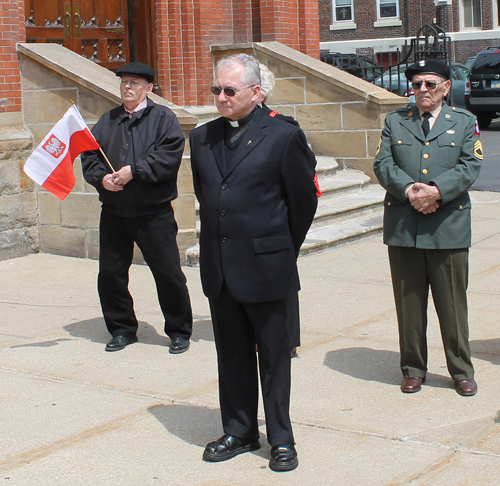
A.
x: 388, y: 9
x: 343, y: 11
x: 472, y: 14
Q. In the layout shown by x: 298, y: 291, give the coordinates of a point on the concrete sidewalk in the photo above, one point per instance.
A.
x: 72, y: 414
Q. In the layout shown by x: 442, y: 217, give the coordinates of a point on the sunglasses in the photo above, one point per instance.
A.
x: 217, y: 90
x: 431, y: 85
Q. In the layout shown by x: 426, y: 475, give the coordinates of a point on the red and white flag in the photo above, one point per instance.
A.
x: 51, y: 163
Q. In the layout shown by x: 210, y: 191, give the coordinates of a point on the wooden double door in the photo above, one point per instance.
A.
x: 108, y: 32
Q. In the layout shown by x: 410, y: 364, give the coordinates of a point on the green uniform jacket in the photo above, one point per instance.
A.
x: 450, y: 158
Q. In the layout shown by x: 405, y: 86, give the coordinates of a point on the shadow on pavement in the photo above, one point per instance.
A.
x: 376, y: 365
x: 42, y: 344
x: 195, y: 425
x: 487, y: 350
x: 95, y: 330
x: 202, y: 329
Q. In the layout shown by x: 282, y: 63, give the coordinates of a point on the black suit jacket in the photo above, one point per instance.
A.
x: 255, y: 215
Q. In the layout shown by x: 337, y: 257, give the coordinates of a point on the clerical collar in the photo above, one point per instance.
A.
x: 243, y: 121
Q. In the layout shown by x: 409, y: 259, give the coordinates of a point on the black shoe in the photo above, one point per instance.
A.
x: 178, y: 345
x: 229, y: 446
x: 119, y: 342
x: 283, y: 458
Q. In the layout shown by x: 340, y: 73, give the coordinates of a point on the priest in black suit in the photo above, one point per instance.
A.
x: 253, y: 177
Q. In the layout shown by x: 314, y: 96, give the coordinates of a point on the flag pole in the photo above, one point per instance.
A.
x: 106, y: 159
x: 100, y: 149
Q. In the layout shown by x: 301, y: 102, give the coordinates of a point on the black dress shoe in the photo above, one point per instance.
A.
x: 283, y: 458
x: 466, y: 388
x: 178, y: 345
x: 119, y: 342
x: 229, y: 446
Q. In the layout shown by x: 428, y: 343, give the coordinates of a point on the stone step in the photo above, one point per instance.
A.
x: 339, y: 219
x: 325, y: 167
x: 19, y: 136
x: 324, y: 237
x: 344, y: 181
x: 204, y: 113
x: 349, y: 205
x: 341, y: 233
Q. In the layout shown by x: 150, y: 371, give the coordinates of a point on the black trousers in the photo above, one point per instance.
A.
x: 293, y: 322
x: 238, y: 328
x: 446, y: 272
x: 155, y: 235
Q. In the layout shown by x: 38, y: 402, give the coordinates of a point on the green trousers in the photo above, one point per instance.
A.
x: 413, y: 270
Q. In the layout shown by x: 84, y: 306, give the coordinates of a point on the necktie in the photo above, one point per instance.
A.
x: 425, y: 124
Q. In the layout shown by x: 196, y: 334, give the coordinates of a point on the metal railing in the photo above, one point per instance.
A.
x: 431, y: 42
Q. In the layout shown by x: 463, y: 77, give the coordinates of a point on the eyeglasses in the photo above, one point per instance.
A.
x: 431, y: 85
x: 217, y: 90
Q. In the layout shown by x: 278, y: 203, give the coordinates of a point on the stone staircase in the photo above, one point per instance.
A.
x: 350, y: 208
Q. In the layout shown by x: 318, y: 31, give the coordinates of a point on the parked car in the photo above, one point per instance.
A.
x: 482, y: 91
x: 395, y: 81
x: 470, y: 62
x: 360, y: 66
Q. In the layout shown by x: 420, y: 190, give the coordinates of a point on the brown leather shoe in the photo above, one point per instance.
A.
x: 412, y: 384
x: 466, y: 388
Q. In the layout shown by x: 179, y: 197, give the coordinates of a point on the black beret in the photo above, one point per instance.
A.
x: 137, y: 69
x: 428, y: 66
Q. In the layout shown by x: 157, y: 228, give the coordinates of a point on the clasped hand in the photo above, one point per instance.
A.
x: 424, y: 198
x: 114, y: 182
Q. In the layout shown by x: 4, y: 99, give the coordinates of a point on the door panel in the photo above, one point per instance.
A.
x: 95, y: 29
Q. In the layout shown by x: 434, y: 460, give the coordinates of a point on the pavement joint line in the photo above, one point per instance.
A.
x: 448, y: 447
x: 57, y: 306
x: 483, y: 240
x: 27, y: 338
x: 158, y: 397
x: 404, y: 440
x: 19, y: 460
x: 361, y: 433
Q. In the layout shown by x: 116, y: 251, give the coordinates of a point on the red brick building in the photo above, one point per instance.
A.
x: 350, y: 26
x: 12, y: 31
x: 174, y: 36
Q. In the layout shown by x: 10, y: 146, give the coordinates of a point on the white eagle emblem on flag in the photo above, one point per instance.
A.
x: 54, y: 146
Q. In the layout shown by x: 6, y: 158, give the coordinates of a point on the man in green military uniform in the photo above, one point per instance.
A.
x: 428, y: 157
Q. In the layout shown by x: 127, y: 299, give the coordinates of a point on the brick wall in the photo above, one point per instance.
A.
x: 413, y: 14
x: 187, y: 28
x: 309, y: 27
x: 462, y: 50
x: 12, y: 30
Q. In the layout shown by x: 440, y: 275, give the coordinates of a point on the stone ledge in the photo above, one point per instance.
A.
x: 87, y: 74
x: 359, y: 88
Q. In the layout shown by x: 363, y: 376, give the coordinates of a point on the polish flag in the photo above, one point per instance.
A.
x: 51, y: 163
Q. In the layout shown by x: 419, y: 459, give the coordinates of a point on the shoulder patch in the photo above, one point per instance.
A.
x: 478, y: 150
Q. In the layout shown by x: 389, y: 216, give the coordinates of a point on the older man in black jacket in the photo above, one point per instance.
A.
x: 253, y: 176
x: 144, y: 143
